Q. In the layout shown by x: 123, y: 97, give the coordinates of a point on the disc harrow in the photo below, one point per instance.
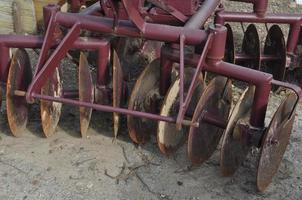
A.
x: 171, y: 100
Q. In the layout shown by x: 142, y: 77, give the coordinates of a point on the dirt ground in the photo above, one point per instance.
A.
x: 68, y: 167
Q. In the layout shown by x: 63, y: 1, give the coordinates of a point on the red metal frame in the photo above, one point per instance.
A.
x: 212, y: 43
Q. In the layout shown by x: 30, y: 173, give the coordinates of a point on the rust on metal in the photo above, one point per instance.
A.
x: 217, y: 100
x: 51, y: 111
x: 19, y: 77
x: 144, y: 97
x: 234, y: 150
x: 86, y: 93
x: 117, y: 83
x: 177, y: 33
x: 169, y: 137
x: 275, y: 141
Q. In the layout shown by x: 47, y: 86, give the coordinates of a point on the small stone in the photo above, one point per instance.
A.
x: 2, y: 152
x: 89, y: 185
x: 35, y: 182
x: 48, y: 169
x: 179, y: 183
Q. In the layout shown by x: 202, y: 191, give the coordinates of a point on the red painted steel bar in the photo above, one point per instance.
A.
x: 102, y: 72
x: 213, y: 119
x: 261, y: 80
x: 4, y: 62
x: 53, y: 61
x: 199, y: 68
x: 181, y: 69
x: 104, y: 108
x: 49, y: 20
x: 295, y: 21
x: 293, y: 36
x: 22, y: 41
x: 206, y: 10
x: 243, y: 57
x: 33, y: 42
x: 73, y: 94
x: 165, y: 70
x: 260, y: 6
x: 127, y: 28
x: 94, y: 9
x: 222, y: 17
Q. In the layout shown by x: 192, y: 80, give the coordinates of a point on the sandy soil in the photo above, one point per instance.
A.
x: 68, y: 167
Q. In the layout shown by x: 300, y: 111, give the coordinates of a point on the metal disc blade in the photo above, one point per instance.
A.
x: 117, y: 74
x: 145, y: 97
x: 86, y: 93
x: 51, y: 111
x: 275, y: 141
x: 229, y: 55
x: 215, y: 100
x: 234, y: 150
x: 251, y: 48
x: 19, y: 78
x: 152, y: 49
x: 169, y: 138
x: 275, y: 47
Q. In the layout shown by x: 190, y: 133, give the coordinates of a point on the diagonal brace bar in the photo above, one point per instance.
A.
x: 53, y: 61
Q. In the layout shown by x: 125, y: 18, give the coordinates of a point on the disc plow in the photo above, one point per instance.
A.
x: 171, y: 99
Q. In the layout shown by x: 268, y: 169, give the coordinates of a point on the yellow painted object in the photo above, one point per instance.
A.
x: 6, y: 17
x: 39, y: 4
x: 24, y: 17
x: 17, y: 16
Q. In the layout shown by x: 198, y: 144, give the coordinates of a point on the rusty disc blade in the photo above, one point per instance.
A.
x: 234, y: 150
x: 169, y: 138
x: 145, y: 97
x: 229, y: 55
x: 251, y: 48
x: 215, y: 100
x: 19, y: 78
x: 117, y: 82
x: 86, y: 93
x: 275, y: 47
x: 51, y: 111
x: 275, y: 141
